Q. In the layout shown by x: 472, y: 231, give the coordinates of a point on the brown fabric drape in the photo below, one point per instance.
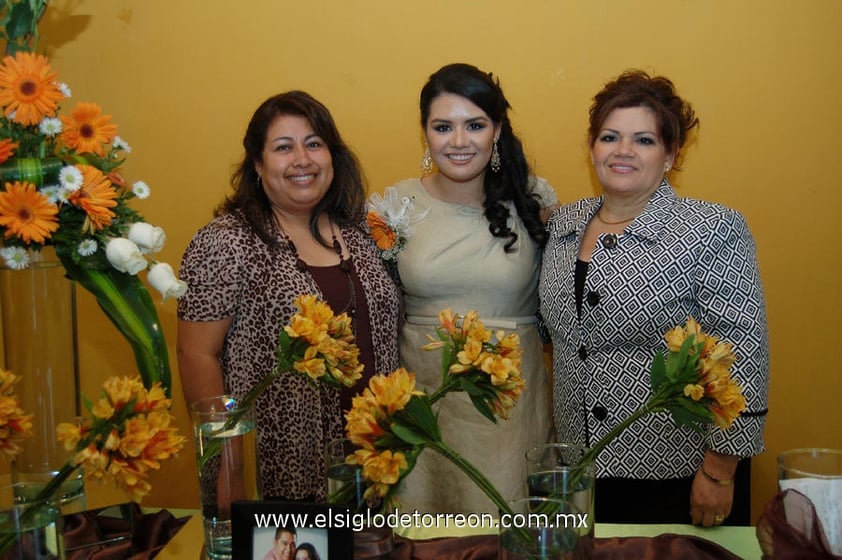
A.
x: 789, y: 528
x: 484, y: 547
x: 91, y: 535
x: 153, y: 530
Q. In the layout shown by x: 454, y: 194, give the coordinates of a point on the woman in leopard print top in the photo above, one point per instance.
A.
x: 293, y: 225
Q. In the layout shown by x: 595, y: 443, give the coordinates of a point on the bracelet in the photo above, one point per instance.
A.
x: 719, y: 481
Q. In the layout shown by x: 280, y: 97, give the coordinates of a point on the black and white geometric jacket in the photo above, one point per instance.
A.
x: 679, y: 258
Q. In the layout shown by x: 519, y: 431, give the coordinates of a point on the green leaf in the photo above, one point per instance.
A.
x: 408, y: 433
x: 467, y: 384
x: 22, y: 21
x: 481, y: 404
x: 447, y: 356
x: 419, y: 415
x: 658, y: 371
x: 683, y: 415
x: 127, y: 303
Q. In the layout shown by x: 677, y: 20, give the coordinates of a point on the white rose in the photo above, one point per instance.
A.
x: 162, y: 278
x: 149, y: 238
x: 125, y: 256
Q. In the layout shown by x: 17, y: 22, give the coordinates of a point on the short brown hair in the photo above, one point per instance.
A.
x: 635, y: 88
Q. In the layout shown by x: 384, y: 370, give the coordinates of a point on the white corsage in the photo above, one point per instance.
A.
x: 390, y: 218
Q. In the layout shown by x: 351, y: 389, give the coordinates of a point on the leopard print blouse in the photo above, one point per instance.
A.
x: 231, y: 272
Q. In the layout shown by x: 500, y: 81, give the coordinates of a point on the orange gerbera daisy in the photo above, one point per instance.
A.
x: 384, y: 236
x: 86, y: 131
x: 6, y: 149
x: 26, y: 213
x: 28, y: 88
x: 96, y: 198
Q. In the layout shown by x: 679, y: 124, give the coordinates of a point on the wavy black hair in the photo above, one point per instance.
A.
x: 512, y: 181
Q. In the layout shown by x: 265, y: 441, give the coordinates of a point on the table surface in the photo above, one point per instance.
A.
x: 742, y: 541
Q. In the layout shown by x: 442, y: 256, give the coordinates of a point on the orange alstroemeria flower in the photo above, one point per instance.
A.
x: 15, y: 426
x: 393, y: 391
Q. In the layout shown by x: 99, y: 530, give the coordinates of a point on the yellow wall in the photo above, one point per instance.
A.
x: 181, y: 78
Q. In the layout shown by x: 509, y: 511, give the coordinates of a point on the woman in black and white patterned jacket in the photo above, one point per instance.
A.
x: 619, y: 271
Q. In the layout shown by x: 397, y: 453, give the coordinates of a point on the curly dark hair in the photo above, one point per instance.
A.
x: 344, y: 201
x: 512, y: 181
x: 635, y: 88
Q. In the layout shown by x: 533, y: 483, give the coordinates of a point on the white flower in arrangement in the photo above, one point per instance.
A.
x: 149, y: 238
x: 125, y: 256
x: 162, y: 278
x: 140, y: 190
x: 120, y: 144
x: 50, y: 127
x: 64, y: 89
x: 55, y: 194
x: 87, y: 247
x: 71, y: 178
x: 16, y: 257
x: 390, y: 218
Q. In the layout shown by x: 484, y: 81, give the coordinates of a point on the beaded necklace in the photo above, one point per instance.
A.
x: 344, y: 265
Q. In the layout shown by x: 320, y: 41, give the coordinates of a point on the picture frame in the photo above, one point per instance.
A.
x: 255, y: 525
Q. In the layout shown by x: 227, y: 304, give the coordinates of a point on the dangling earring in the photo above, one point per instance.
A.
x: 495, y: 158
x: 426, y: 161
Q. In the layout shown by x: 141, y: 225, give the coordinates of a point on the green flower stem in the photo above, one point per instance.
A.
x: 31, y: 508
x: 655, y: 403
x: 477, y: 477
x: 128, y: 305
x: 54, y: 485
x: 215, y: 446
x: 447, y: 386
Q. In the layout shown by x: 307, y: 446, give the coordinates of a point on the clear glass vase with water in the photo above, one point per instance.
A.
x: 226, y: 452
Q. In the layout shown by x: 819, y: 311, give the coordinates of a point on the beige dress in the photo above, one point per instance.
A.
x: 452, y: 260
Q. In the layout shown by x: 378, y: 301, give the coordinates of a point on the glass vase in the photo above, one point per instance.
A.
x: 555, y: 470
x: 346, y: 487
x: 540, y: 529
x: 29, y: 529
x: 39, y: 346
x: 226, y: 453
x: 817, y: 473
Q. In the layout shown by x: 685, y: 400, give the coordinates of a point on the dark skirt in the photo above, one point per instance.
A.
x: 627, y: 500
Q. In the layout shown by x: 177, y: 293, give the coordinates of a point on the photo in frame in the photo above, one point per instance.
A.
x: 259, y: 527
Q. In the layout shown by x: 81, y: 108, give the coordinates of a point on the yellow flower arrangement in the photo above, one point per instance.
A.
x: 60, y: 186
x: 490, y: 372
x: 692, y: 382
x: 392, y: 423
x: 319, y: 344
x: 129, y: 432
x: 315, y: 344
x: 15, y: 425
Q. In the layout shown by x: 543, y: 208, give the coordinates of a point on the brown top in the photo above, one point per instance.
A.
x: 230, y: 272
x: 333, y: 283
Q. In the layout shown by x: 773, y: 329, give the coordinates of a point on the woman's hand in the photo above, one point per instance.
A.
x: 712, y: 493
